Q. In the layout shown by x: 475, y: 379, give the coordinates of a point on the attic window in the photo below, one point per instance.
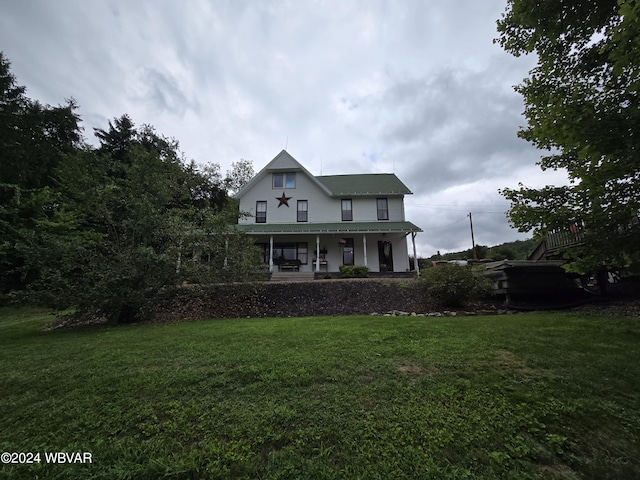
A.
x: 284, y: 180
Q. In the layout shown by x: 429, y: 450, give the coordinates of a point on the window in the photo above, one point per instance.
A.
x: 347, y: 212
x: 383, y: 209
x: 261, y: 212
x: 284, y: 180
x: 291, y: 251
x: 303, y: 253
x: 303, y: 211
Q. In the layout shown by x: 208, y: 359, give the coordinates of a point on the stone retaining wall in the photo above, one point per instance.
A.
x: 293, y: 299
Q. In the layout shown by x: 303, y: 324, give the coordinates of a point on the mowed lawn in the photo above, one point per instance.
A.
x: 540, y: 395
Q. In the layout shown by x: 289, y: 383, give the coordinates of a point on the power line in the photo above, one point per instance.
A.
x: 453, y: 204
x: 457, y: 208
x: 445, y: 226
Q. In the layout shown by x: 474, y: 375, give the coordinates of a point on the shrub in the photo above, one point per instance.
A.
x: 354, y: 271
x: 453, y: 285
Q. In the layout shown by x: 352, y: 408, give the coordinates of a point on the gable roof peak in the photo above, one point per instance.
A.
x: 358, y: 184
x: 282, y: 162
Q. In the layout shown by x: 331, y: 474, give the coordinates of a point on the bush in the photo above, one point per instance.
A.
x: 354, y: 271
x: 453, y: 285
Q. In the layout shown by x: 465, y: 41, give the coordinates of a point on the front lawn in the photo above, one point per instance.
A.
x: 549, y: 395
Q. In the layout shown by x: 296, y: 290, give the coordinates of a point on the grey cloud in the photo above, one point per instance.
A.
x: 163, y: 90
x: 413, y: 87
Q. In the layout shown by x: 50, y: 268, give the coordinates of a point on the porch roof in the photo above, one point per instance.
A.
x: 339, y: 227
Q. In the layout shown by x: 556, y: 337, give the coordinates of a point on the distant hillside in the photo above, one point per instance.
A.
x: 518, y: 250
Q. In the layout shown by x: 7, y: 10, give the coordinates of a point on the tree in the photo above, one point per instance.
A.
x: 148, y: 214
x: 102, y: 230
x: 117, y: 139
x: 34, y: 139
x: 581, y: 105
x: 241, y: 172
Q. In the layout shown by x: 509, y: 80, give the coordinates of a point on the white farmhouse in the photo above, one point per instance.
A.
x: 310, y: 223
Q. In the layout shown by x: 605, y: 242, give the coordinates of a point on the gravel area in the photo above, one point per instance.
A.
x: 618, y: 307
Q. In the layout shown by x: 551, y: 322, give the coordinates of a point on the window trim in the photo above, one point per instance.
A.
x: 344, y: 211
x: 302, y: 215
x: 261, y: 215
x: 288, y: 180
x: 383, y: 213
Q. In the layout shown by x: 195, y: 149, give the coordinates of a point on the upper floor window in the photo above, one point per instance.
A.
x: 303, y: 210
x: 284, y: 180
x: 261, y: 212
x: 347, y: 212
x: 383, y: 209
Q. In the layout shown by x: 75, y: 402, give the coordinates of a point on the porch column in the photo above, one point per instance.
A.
x: 271, y: 253
x: 317, y: 253
x: 416, y: 267
x: 364, y: 246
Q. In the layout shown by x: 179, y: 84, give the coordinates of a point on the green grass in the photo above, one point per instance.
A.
x: 521, y: 396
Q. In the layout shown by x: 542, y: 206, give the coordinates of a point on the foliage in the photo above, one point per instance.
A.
x: 33, y: 141
x: 582, y: 106
x: 241, y: 172
x: 103, y: 229
x: 453, y: 285
x: 526, y: 396
x: 33, y: 137
x: 216, y: 252
x: 516, y: 250
x: 354, y: 271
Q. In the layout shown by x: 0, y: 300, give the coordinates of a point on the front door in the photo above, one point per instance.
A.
x: 347, y: 251
x: 385, y: 256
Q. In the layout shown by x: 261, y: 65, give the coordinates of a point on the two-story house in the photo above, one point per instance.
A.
x: 313, y: 223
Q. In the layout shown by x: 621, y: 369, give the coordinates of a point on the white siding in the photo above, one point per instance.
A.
x: 322, y: 208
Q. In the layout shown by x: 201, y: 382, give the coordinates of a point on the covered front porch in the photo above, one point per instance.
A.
x: 323, y: 248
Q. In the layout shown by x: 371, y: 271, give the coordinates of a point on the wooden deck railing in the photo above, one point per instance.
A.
x: 572, y: 236
x: 565, y: 238
x: 557, y: 239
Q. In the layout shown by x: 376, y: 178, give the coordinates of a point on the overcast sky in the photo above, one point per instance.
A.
x: 414, y: 87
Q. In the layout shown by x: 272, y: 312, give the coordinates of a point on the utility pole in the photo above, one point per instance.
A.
x: 473, y: 242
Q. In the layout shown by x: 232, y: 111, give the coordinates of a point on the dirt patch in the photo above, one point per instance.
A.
x: 411, y: 368
x: 504, y: 361
x: 507, y: 359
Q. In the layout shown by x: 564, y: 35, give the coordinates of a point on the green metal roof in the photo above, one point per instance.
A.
x: 339, y: 227
x: 364, y: 184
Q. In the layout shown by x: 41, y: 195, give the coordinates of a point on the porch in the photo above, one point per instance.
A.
x: 290, y: 276
x: 322, y: 248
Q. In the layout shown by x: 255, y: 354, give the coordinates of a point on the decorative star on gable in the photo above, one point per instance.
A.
x: 284, y: 200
